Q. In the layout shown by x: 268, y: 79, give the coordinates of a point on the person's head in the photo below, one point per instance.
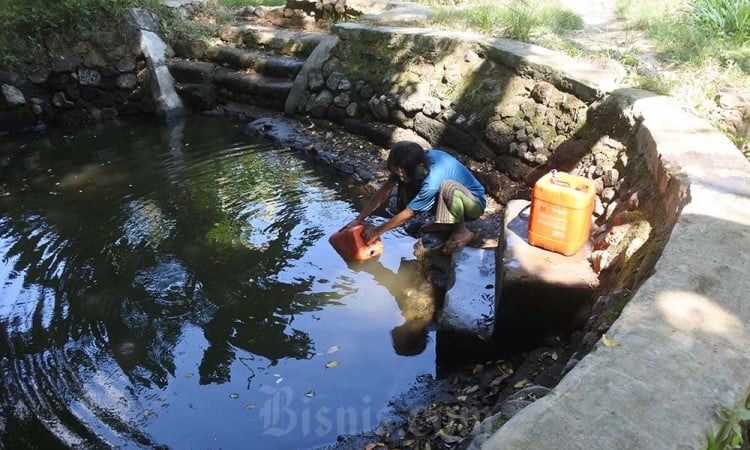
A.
x: 410, y: 338
x: 409, y: 161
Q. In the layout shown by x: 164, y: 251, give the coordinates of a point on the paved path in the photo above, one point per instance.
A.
x: 597, y: 15
x: 605, y: 31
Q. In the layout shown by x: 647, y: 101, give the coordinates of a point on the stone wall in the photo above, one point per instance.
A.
x: 96, y: 78
x: 453, y: 92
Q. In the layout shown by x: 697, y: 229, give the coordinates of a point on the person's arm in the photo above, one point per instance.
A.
x: 377, y: 199
x: 370, y: 235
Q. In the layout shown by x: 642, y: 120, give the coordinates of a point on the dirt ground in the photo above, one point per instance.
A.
x: 606, y: 33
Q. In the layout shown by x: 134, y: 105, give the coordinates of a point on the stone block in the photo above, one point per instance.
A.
x: 541, y: 289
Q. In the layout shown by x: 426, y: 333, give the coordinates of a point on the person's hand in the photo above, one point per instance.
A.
x: 370, y: 234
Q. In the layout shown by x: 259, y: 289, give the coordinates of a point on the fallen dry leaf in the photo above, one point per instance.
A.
x: 609, y: 342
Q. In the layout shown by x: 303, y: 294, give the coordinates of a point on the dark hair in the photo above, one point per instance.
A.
x: 410, y: 338
x: 411, y: 158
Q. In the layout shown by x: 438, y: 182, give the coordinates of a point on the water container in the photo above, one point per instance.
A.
x: 352, y: 247
x: 561, y: 207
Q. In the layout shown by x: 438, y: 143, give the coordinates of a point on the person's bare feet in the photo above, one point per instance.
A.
x: 462, y: 236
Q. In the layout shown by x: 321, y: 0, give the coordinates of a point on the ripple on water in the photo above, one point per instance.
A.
x: 168, y: 252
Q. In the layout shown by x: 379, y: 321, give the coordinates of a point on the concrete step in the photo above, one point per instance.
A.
x: 252, y: 83
x: 199, y: 79
x: 197, y: 72
x: 277, y: 41
x: 258, y: 61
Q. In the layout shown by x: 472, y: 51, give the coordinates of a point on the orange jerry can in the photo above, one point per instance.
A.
x: 352, y: 247
x: 561, y: 207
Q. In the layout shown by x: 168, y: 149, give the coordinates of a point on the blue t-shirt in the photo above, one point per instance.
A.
x: 444, y: 167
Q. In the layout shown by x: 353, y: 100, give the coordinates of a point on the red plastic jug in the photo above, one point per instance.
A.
x: 348, y: 242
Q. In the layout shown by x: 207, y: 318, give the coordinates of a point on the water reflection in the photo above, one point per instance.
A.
x: 416, y: 297
x: 146, y: 273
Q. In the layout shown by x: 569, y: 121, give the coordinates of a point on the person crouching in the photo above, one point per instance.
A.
x: 428, y: 181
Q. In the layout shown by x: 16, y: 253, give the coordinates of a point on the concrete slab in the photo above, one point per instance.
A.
x: 168, y: 104
x: 524, y: 262
x: 469, y: 307
x: 541, y: 290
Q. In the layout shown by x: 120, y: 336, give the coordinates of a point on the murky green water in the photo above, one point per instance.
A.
x: 174, y: 286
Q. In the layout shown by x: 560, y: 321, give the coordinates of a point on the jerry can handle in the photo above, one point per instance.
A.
x: 556, y: 180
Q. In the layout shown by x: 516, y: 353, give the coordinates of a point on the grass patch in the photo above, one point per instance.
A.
x: 513, y: 19
x: 730, y: 434
x: 728, y: 18
x: 35, y: 17
x: 704, y: 44
x: 243, y: 3
x: 696, y: 30
x: 29, y: 26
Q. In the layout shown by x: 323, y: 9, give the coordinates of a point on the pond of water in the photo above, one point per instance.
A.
x: 173, y: 286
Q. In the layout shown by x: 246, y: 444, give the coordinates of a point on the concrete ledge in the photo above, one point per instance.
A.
x: 168, y: 104
x: 682, y: 339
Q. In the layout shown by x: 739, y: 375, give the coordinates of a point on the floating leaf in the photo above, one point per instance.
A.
x: 189, y: 375
x: 374, y: 446
x: 331, y: 364
x: 500, y: 379
x: 234, y: 395
x: 333, y: 349
x: 310, y: 393
x: 554, y: 356
x: 609, y: 342
x: 461, y: 398
x: 471, y: 389
x: 449, y: 438
x: 250, y: 405
x: 521, y: 383
x: 453, y: 416
x: 279, y: 380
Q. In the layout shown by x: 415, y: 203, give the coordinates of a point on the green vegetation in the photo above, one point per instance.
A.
x: 696, y: 30
x: 729, y: 19
x: 514, y: 19
x: 729, y: 435
x: 702, y: 46
x: 243, y: 3
x: 39, y: 17
x: 28, y: 25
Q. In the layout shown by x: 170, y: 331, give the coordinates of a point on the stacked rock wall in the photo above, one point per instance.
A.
x: 452, y: 92
x: 93, y: 80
